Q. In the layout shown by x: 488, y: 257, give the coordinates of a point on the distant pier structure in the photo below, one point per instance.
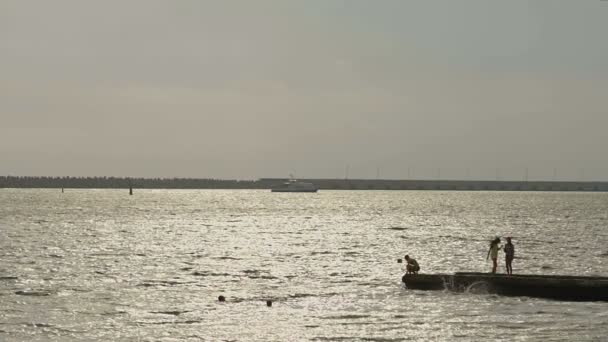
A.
x: 458, y: 185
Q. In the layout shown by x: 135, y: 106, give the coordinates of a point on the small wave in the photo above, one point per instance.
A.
x: 251, y: 271
x: 114, y: 313
x: 172, y: 313
x: 351, y: 316
x: 369, y: 283
x: 77, y: 289
x: 29, y: 262
x: 294, y: 296
x: 268, y: 277
x: 39, y: 325
x: 321, y: 253
x: 108, y: 254
x: 34, y: 293
x: 356, y: 323
x: 300, y: 295
x: 478, y: 287
x: 168, y: 322
x: 516, y: 325
x: 151, y: 283
x: 210, y: 274
x: 397, y: 228
x: 226, y: 258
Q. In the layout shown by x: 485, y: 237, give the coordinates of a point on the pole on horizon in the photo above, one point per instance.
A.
x: 554, y: 174
x: 130, y: 188
x: 438, y: 179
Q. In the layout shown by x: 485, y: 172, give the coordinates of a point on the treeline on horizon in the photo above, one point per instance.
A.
x: 122, y: 182
x: 267, y: 183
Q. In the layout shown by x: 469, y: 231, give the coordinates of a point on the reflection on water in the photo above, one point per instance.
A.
x: 103, y: 265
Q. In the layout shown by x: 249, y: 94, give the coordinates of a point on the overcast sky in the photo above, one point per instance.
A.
x: 248, y: 89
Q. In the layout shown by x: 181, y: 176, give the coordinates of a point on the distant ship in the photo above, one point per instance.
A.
x: 293, y: 185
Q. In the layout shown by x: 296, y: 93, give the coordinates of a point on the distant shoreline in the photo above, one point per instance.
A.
x: 322, y: 184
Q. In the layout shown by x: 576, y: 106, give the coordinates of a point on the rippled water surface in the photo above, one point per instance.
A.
x: 103, y: 265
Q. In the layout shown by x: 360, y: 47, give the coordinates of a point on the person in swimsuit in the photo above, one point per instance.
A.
x: 509, y: 255
x: 493, y: 252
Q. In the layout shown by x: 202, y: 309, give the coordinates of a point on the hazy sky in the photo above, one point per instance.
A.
x: 248, y: 89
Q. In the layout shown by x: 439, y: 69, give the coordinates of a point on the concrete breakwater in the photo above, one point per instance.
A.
x: 575, y: 288
x: 460, y: 185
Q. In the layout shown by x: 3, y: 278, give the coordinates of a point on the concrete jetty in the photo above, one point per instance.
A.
x: 443, y: 185
x: 573, y: 288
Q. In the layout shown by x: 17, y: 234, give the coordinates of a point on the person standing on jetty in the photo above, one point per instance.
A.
x: 412, y: 265
x: 493, y: 252
x: 509, y: 255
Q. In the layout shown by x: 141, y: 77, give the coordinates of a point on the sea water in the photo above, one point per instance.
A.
x: 100, y: 265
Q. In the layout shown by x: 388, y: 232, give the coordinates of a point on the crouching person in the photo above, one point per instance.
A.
x: 412, y: 266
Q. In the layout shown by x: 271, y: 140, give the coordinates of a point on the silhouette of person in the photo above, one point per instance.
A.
x: 493, y: 252
x: 412, y: 265
x: 509, y: 255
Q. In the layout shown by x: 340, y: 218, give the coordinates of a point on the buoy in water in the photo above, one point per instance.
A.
x: 221, y: 298
x: 268, y: 303
x: 399, y: 261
